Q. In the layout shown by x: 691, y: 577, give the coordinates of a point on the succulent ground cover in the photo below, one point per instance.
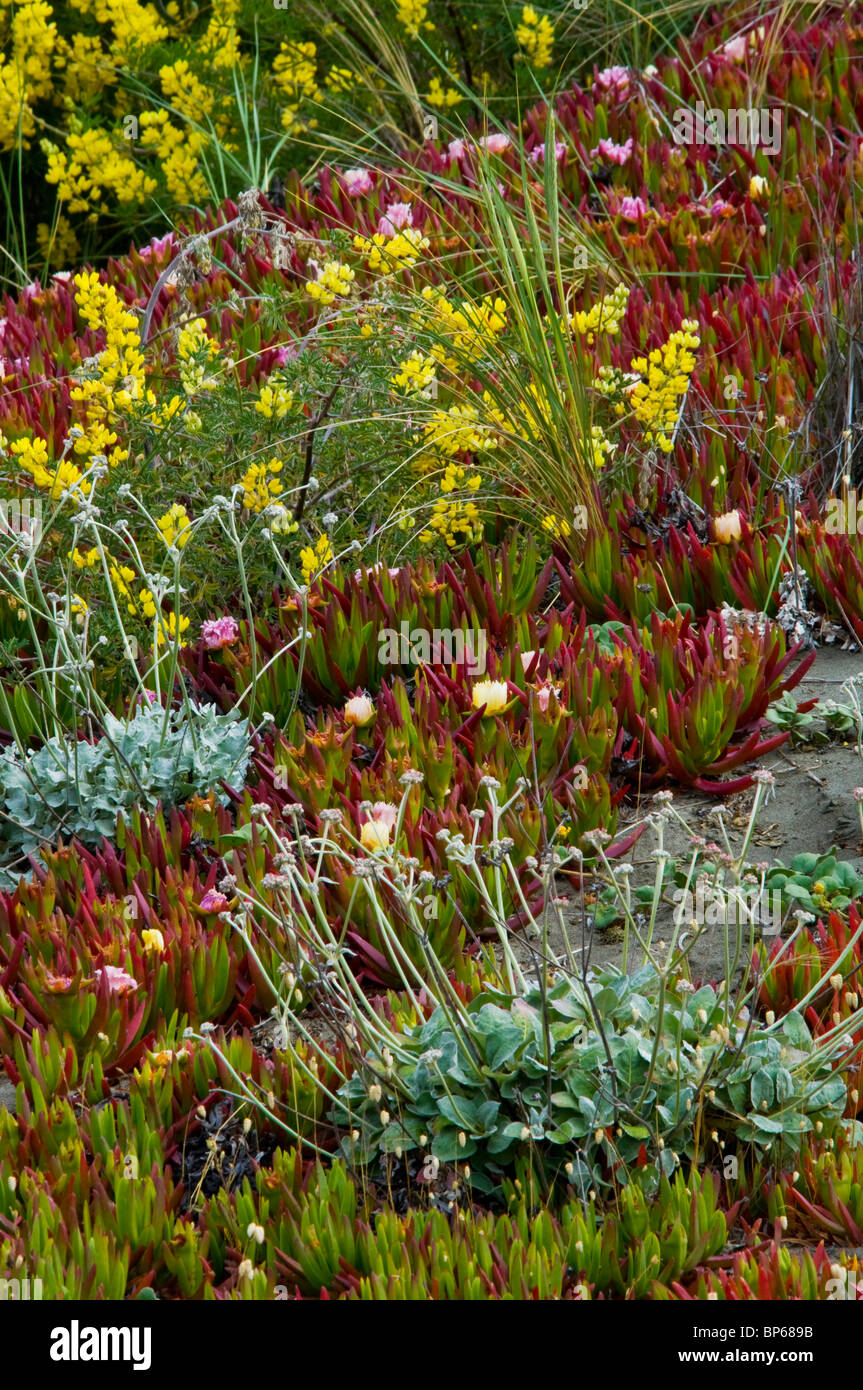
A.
x: 387, y: 540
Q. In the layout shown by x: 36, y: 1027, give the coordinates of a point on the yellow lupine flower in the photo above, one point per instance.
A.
x: 314, y: 561
x: 535, y: 37
x: 175, y: 525
x: 261, y: 485
x: 166, y: 634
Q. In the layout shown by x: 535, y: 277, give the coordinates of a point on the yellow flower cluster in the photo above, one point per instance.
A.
x: 59, y: 243
x: 415, y: 375
x: 455, y: 477
x: 141, y: 605
x: 294, y: 72
x: 601, y: 448
x: 665, y: 375
x: 472, y: 327
x: 437, y: 96
x: 274, y: 400
x: 120, y: 380
x: 535, y: 37
x: 185, y: 91
x: 219, y: 46
x: 261, y: 485
x: 333, y: 281
x: 340, y: 79
x: 196, y: 350
x: 166, y: 634
x: 25, y: 69
x: 57, y: 478
x: 603, y: 317
x: 455, y: 523
x: 177, y: 150
x: 313, y: 561
x: 91, y: 167
x: 175, y: 525
x: 411, y: 15
x: 457, y: 430
x: 557, y: 526
x: 393, y: 253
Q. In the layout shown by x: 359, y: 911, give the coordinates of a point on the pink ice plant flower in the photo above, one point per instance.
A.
x: 213, y: 901
x: 455, y: 149
x: 614, y: 79
x: 495, y: 144
x: 397, y: 215
x: 357, y: 182
x: 219, y: 632
x: 386, y: 813
x: 632, y: 208
x: 119, y: 982
x: 538, y: 155
x: 157, y: 246
x: 614, y: 153
x: 735, y: 49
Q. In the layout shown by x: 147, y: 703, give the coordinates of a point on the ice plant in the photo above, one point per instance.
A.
x: 219, y: 632
x: 359, y: 711
x: 726, y: 528
x: 490, y: 696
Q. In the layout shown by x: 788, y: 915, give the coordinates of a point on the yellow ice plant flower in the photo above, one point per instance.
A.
x: 603, y: 317
x: 314, y: 561
x: 152, y: 940
x: 388, y: 254
x: 494, y: 695
x: 274, y: 400
x: 175, y: 526
x: 535, y: 37
x: 375, y: 835
x: 333, y: 281
x: 168, y: 631
x: 261, y: 485
x: 411, y: 15
x: 664, y: 381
